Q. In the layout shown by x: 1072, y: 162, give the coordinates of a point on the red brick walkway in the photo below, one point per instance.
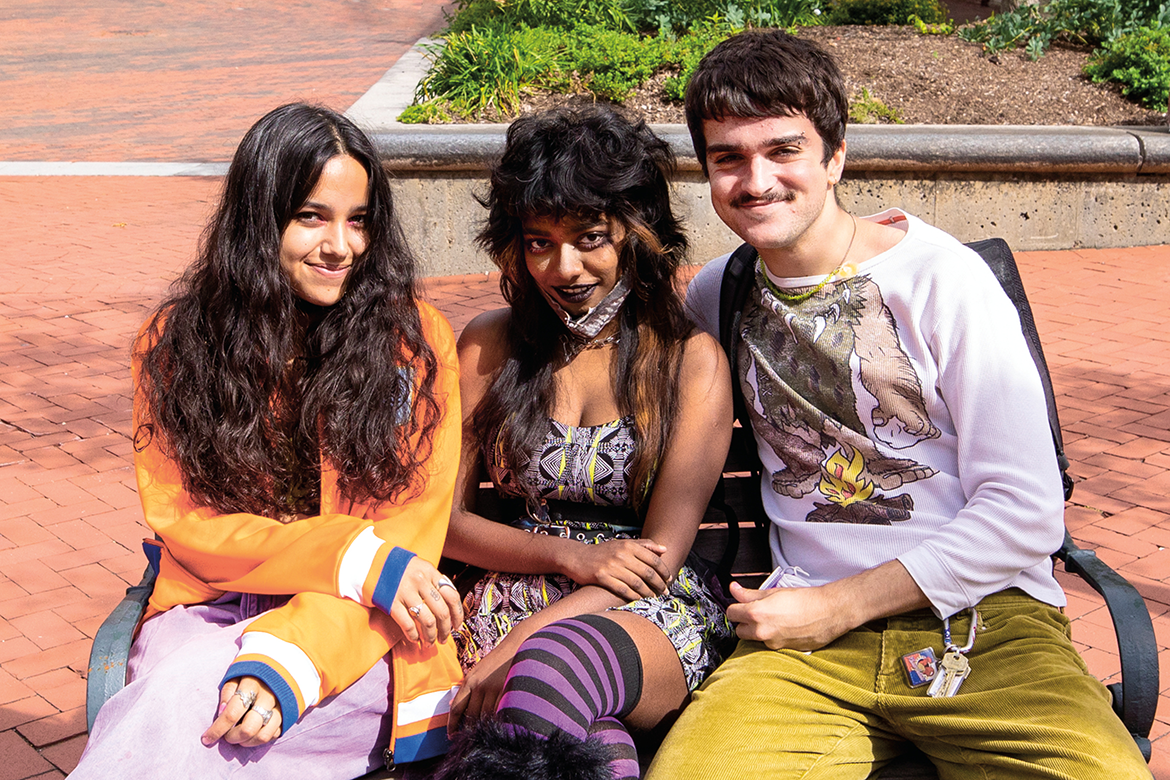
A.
x: 88, y: 257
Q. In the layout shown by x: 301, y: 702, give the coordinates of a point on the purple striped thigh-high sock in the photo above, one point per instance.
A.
x: 580, y: 676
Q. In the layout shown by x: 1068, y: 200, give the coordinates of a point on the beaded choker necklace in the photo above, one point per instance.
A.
x: 795, y: 298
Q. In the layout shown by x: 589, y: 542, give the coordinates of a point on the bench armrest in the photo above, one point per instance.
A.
x: 111, y: 647
x: 1135, y: 699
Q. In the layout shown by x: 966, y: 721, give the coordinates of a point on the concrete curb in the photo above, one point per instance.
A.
x: 910, y: 148
x: 1037, y: 187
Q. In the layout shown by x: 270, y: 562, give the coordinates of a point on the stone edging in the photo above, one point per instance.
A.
x: 910, y: 148
x: 1036, y: 187
x: 919, y: 148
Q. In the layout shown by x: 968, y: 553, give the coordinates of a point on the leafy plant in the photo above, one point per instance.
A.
x: 868, y: 110
x: 562, y: 14
x: 429, y: 113
x: 1088, y: 22
x: 690, y: 49
x: 942, y: 28
x: 612, y: 64
x: 886, y: 12
x: 483, y: 68
x: 1140, y: 62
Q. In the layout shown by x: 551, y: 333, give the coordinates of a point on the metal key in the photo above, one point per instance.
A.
x: 953, y: 669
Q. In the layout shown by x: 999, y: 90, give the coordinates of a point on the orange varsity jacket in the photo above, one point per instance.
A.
x: 342, y: 567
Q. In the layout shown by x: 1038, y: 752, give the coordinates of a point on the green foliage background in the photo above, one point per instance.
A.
x: 497, y: 50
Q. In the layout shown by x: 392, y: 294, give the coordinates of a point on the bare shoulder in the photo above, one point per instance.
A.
x: 483, y: 343
x: 704, y: 368
x: 702, y: 355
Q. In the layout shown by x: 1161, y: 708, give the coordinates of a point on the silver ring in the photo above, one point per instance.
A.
x: 247, y: 697
x: 265, y: 714
x: 445, y: 582
x: 416, y: 610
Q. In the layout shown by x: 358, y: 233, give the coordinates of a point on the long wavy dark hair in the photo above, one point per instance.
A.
x: 586, y: 164
x: 246, y: 386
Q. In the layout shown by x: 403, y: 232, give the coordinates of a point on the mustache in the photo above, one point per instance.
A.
x: 743, y: 199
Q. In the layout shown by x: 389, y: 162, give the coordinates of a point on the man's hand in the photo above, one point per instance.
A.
x: 787, y: 618
x: 810, y: 618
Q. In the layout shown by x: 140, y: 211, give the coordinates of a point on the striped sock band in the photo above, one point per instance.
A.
x: 570, y: 674
x: 611, y: 732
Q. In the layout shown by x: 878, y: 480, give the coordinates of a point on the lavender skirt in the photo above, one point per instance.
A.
x: 151, y: 728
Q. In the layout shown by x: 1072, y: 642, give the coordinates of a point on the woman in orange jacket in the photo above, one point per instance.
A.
x: 296, y: 418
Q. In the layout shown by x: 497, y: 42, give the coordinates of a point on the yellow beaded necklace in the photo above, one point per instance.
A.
x: 795, y: 298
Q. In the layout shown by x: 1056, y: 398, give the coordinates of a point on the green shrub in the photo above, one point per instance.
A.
x: 886, y: 12
x: 1140, y: 62
x: 690, y: 49
x: 612, y: 64
x: 677, y: 17
x: 1088, y: 22
x: 483, y: 68
x: 432, y: 112
x: 562, y: 14
x: 865, y: 109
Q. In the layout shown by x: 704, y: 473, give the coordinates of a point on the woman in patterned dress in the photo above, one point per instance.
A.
x: 603, y: 418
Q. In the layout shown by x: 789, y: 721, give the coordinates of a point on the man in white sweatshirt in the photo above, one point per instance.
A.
x: 908, y: 472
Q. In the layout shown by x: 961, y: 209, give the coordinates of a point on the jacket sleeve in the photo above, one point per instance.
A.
x: 352, y: 551
x: 313, y: 647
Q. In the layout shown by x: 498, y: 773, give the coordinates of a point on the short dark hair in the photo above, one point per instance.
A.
x: 766, y: 73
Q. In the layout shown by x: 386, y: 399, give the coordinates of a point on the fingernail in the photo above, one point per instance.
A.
x: 222, y: 707
x: 205, y: 740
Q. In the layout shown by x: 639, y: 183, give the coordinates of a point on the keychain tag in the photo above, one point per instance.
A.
x: 921, y: 666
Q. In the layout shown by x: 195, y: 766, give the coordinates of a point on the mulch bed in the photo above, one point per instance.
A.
x: 936, y: 79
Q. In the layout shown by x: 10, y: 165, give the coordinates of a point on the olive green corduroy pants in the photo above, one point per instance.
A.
x: 1030, y: 708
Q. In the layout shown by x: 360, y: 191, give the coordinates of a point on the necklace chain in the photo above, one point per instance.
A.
x: 795, y: 298
x: 574, y: 347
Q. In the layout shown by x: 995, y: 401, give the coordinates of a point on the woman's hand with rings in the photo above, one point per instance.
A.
x: 427, y: 607
x: 248, y: 716
x: 629, y: 568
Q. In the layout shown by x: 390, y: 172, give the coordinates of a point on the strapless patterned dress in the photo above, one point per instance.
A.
x: 590, y: 464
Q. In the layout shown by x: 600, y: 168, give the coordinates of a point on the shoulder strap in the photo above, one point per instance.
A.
x: 738, y: 277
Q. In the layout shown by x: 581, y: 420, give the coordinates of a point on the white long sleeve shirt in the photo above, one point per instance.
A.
x: 899, y: 415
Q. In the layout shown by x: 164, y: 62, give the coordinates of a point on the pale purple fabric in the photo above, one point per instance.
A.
x: 151, y: 728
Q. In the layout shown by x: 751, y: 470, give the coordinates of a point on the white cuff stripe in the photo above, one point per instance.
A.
x: 288, y: 655
x: 426, y: 706
x: 356, y: 563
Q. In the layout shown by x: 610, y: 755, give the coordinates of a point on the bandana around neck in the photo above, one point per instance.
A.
x: 586, y: 326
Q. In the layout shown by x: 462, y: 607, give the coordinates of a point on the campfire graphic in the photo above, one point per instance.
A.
x: 841, y: 480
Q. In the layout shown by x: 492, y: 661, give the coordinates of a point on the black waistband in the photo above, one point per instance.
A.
x: 572, y: 512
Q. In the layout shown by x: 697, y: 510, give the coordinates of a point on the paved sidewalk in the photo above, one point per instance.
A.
x: 89, y: 257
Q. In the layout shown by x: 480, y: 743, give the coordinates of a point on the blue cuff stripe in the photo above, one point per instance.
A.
x: 153, y: 555
x: 391, y: 578
x: 277, y: 684
x: 426, y: 745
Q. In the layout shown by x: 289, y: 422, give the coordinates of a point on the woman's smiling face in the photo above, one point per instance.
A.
x: 327, y: 234
x: 573, y: 261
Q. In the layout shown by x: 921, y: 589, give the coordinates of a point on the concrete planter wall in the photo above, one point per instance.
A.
x: 1036, y: 187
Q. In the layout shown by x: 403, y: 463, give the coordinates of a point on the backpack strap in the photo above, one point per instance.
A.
x: 738, y: 277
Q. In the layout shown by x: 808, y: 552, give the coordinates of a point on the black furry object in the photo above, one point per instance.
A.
x: 490, y: 750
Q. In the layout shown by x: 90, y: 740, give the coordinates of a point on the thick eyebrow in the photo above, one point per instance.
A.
x: 574, y: 226
x: 783, y: 140
x: 312, y: 204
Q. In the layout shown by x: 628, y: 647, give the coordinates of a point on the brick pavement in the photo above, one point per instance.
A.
x: 121, y: 81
